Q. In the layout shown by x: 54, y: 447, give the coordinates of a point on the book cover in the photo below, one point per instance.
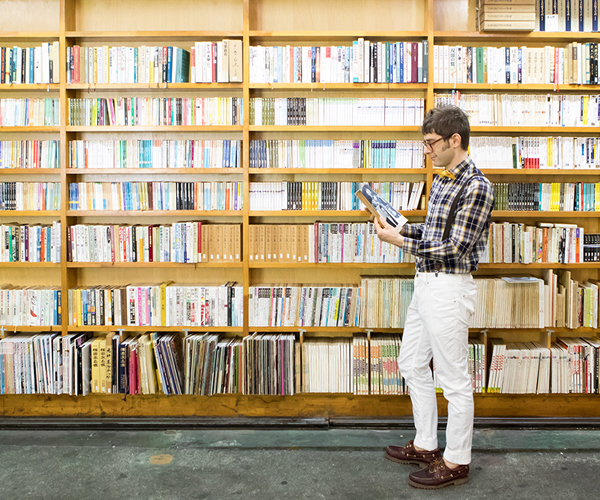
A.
x: 380, y: 208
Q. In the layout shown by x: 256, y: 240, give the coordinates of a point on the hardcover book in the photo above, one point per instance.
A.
x: 380, y: 208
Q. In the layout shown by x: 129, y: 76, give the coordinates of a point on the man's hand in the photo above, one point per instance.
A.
x: 387, y: 233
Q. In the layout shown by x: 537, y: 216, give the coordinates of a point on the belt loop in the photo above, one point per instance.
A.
x: 436, y: 274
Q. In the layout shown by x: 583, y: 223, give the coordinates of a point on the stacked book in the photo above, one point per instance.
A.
x: 506, y: 15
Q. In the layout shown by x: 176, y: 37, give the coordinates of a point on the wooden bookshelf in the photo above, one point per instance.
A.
x: 268, y: 22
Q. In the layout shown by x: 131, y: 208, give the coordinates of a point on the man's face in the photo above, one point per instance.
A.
x: 438, y: 149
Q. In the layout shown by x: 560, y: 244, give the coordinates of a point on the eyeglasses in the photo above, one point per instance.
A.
x: 429, y: 144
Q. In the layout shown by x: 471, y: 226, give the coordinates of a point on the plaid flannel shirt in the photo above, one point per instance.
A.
x: 459, y: 254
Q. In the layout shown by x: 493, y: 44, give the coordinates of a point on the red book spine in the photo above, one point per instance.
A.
x: 150, y: 243
x: 164, y: 62
x: 414, y: 72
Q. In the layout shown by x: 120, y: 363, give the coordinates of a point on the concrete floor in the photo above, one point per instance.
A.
x: 290, y: 464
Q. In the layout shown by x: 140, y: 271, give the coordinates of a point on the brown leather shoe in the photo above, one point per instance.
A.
x: 409, y: 455
x: 437, y: 475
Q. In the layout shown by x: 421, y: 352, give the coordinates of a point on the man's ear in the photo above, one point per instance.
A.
x: 456, y: 140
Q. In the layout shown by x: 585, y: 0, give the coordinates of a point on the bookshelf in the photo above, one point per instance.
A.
x: 180, y: 23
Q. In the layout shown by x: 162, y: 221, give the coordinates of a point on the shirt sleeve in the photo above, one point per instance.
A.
x: 413, y: 231
x: 472, y: 218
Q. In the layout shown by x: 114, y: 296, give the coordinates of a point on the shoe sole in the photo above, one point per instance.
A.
x: 422, y: 465
x: 420, y: 486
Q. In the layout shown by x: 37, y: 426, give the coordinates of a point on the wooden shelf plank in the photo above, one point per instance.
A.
x: 153, y: 171
x: 29, y: 86
x: 29, y: 213
x: 29, y: 171
x: 516, y: 87
x: 331, y: 265
x: 120, y: 265
x: 154, y: 86
x: 411, y: 265
x: 559, y: 215
x: 512, y: 37
x: 538, y: 171
x: 537, y: 130
x: 337, y: 86
x: 304, y: 405
x: 22, y: 36
x: 157, y: 128
x: 114, y: 328
x: 145, y: 35
x: 48, y: 265
x: 328, y: 171
x: 153, y: 213
x: 331, y: 128
x: 329, y: 213
x: 30, y: 129
x: 331, y: 35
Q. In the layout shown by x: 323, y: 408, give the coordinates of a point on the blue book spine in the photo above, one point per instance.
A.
x: 401, y: 50
x: 169, y: 64
x: 313, y: 58
x: 594, y: 15
x: 32, y: 65
x: 567, y: 15
x: 581, y: 12
x: 520, y: 70
x: 542, y: 13
x: 135, y: 64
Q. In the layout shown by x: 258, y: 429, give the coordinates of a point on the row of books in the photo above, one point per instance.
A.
x: 477, y: 368
x: 567, y: 15
x: 164, y: 304
x: 343, y: 111
x: 510, y: 242
x: 493, y: 16
x: 525, y: 110
x: 156, y: 111
x: 591, y: 247
x: 30, y: 112
x: 363, y: 62
x: 29, y: 195
x: 35, y: 306
x: 25, y: 243
x: 185, y: 242
x: 147, y: 153
x: 285, y: 195
x: 304, y: 305
x: 155, y: 196
x: 29, y: 154
x: 569, y: 366
x: 204, y: 62
x: 30, y: 64
x: 535, y: 152
x: 547, y: 196
x: 557, y: 301
x: 273, y: 364
x: 329, y: 153
x: 575, y: 64
x: 127, y: 64
x: 321, y: 242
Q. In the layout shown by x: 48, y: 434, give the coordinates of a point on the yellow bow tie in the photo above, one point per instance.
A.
x: 446, y: 173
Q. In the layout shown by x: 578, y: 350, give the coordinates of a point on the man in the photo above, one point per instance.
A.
x: 437, y: 323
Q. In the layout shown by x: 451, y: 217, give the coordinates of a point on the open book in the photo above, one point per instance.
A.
x: 380, y: 208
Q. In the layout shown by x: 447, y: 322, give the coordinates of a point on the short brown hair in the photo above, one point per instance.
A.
x: 446, y: 121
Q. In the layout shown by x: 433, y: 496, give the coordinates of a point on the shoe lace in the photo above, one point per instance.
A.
x: 436, y: 464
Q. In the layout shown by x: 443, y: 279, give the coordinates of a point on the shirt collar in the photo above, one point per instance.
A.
x: 461, y: 168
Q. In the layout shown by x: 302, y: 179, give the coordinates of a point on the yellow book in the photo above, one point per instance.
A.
x: 586, y: 99
x: 109, y: 362
x: 163, y: 302
x: 96, y: 365
x: 102, y: 376
x: 597, y: 200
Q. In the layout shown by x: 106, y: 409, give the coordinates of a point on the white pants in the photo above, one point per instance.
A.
x: 437, y: 324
